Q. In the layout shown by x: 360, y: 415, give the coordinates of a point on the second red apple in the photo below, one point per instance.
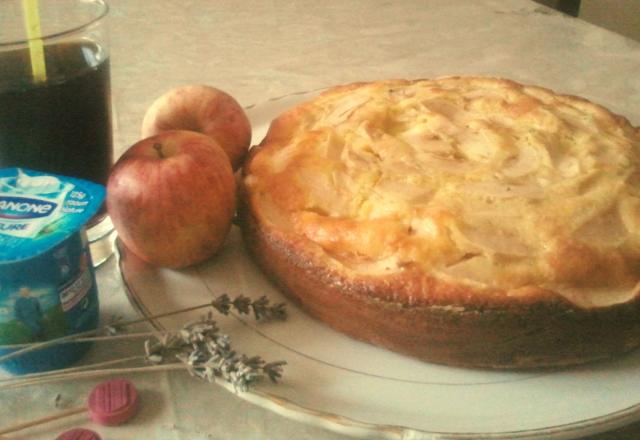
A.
x: 204, y: 109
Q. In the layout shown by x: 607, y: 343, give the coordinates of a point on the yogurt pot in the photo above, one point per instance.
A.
x: 47, y: 283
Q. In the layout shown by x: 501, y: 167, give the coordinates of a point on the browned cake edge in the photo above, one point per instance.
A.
x: 506, y: 335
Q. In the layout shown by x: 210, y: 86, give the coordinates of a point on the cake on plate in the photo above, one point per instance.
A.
x: 468, y: 221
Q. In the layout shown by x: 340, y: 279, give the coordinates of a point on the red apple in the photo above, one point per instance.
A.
x: 171, y: 198
x: 204, y: 109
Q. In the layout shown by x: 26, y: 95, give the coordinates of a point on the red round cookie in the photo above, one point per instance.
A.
x: 113, y: 402
x: 79, y: 434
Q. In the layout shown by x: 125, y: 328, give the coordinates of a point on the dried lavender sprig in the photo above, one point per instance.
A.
x: 261, y: 307
x: 208, y: 354
x: 202, y: 349
x: 108, y: 338
x: 221, y: 304
x: 274, y: 370
x: 109, y: 329
x: 75, y: 375
x: 35, y: 377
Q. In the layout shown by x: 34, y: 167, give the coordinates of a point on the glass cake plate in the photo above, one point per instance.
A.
x: 359, y: 390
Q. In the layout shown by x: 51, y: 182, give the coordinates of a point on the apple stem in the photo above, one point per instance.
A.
x: 158, y: 148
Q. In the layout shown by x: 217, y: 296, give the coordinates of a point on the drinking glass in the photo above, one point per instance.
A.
x: 55, y: 99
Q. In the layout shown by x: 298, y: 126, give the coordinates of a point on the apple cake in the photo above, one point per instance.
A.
x: 468, y: 221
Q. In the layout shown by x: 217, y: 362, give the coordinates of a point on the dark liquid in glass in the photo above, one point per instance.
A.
x: 61, y: 125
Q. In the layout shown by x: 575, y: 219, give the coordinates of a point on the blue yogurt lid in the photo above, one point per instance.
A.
x: 40, y: 210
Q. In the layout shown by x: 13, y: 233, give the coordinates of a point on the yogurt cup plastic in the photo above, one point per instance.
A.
x: 47, y: 283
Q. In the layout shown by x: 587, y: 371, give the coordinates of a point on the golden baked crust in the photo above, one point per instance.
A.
x: 456, y: 215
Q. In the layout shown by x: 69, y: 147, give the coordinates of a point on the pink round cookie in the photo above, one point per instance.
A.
x: 113, y: 402
x: 79, y: 434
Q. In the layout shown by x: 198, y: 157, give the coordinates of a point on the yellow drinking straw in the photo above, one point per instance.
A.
x: 36, y: 48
